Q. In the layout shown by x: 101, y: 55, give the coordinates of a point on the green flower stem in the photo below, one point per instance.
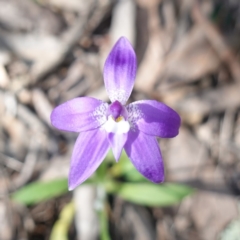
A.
x: 101, y: 207
x: 104, y: 230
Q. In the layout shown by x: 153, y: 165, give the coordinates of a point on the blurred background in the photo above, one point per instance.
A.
x: 188, y: 57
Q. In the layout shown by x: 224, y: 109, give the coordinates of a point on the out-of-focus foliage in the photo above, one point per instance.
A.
x: 124, y: 168
x: 121, y: 179
x: 40, y: 191
x: 138, y: 190
x: 150, y: 194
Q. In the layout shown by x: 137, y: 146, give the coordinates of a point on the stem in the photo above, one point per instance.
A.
x: 104, y: 231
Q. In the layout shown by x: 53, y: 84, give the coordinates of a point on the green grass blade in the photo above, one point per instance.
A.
x: 40, y: 191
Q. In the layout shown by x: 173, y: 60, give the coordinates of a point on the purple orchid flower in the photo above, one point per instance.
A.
x: 133, y: 127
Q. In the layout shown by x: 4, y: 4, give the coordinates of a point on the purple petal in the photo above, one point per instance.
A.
x: 79, y: 114
x: 117, y: 142
x: 89, y: 151
x: 120, y: 71
x: 144, y: 152
x: 154, y: 118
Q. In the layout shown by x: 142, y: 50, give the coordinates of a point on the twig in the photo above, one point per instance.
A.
x: 217, y: 41
x: 10, y: 162
x: 29, y: 164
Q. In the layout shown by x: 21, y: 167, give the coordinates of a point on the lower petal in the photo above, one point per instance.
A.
x: 117, y: 142
x: 144, y: 152
x: 89, y: 151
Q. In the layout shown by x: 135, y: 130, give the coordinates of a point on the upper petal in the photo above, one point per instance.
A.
x: 89, y: 151
x: 154, y: 118
x: 79, y: 114
x: 144, y: 152
x: 120, y: 71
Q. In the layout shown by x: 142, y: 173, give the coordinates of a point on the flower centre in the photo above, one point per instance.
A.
x: 117, y: 119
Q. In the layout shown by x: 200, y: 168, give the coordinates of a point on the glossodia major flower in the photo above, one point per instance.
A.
x: 132, y: 127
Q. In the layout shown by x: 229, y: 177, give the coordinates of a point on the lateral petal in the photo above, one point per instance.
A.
x: 79, y: 114
x: 144, y: 152
x: 89, y: 151
x: 120, y: 71
x: 154, y: 118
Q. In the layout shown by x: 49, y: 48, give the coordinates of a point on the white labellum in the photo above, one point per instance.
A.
x: 117, y: 127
